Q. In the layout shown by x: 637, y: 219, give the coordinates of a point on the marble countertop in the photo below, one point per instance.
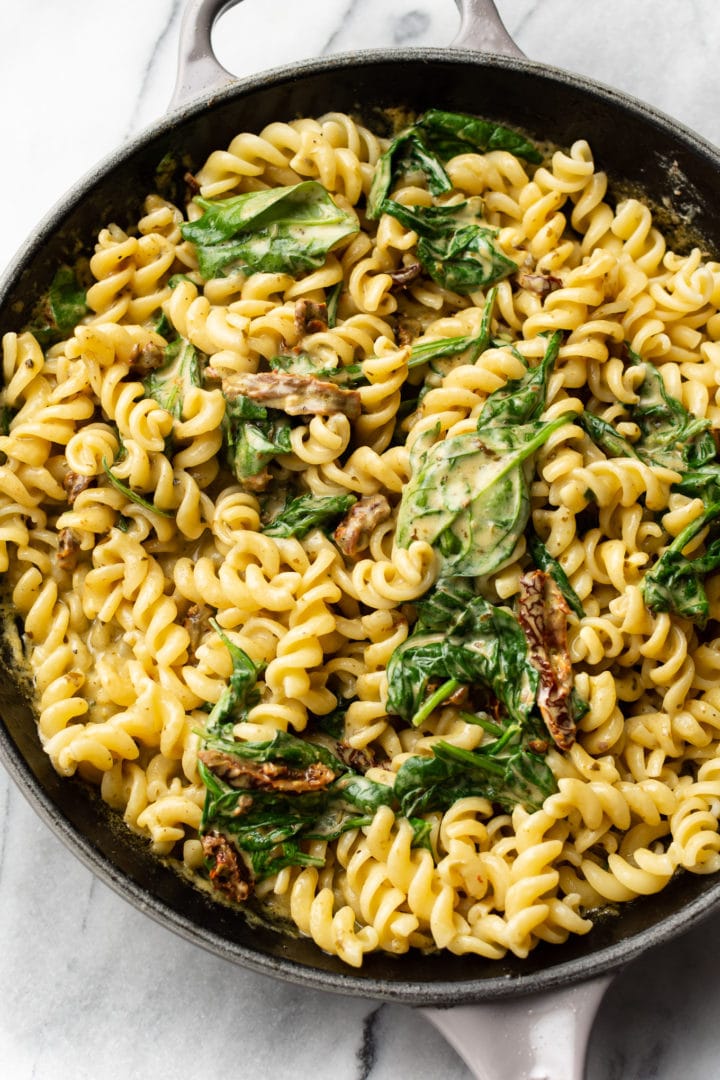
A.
x: 90, y: 987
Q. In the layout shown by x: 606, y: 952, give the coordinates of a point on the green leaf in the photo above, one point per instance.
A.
x: 132, y: 496
x: 406, y: 154
x: 544, y: 561
x: 605, y: 436
x: 305, y: 364
x: 280, y: 230
x: 464, y: 349
x: 448, y: 134
x: 676, y: 582
x: 522, y: 400
x: 333, y: 302
x: 60, y: 310
x: 461, y: 636
x: 469, y: 495
x: 308, y: 512
x: 269, y: 825
x: 702, y: 483
x: 516, y: 776
x: 670, y: 436
x: 453, y: 248
x: 170, y: 383
x: 253, y: 436
x: 240, y: 694
x: 436, y: 137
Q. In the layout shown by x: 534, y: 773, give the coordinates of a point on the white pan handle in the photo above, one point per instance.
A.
x: 481, y: 28
x: 200, y: 72
x: 543, y: 1037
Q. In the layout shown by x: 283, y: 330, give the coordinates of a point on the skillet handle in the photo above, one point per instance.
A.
x: 200, y: 72
x: 482, y: 28
x: 543, y: 1037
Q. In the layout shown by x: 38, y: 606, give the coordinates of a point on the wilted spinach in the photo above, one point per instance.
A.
x: 448, y: 134
x: 61, y: 309
x: 670, y: 437
x: 436, y: 137
x: 304, y: 364
x: 270, y: 825
x: 605, y: 436
x: 463, y: 349
x: 253, y: 436
x: 511, y: 775
x: 406, y: 153
x: 544, y: 561
x: 239, y: 695
x: 460, y: 638
x: 130, y: 495
x: 308, y: 512
x: 280, y: 230
x: 522, y: 400
x: 169, y: 384
x: 468, y: 495
x: 676, y: 581
x: 453, y: 247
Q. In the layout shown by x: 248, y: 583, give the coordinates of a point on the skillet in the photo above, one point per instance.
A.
x: 547, y: 103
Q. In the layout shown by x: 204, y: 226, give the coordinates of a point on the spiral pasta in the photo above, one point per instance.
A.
x: 144, y: 556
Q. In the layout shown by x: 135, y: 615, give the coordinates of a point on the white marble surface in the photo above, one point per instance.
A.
x: 89, y: 987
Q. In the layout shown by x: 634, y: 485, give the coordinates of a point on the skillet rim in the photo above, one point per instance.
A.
x: 346, y: 981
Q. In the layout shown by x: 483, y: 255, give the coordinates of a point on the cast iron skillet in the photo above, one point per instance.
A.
x: 641, y: 150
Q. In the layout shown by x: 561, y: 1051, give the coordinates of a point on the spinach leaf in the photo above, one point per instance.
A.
x: 280, y: 230
x: 702, y: 483
x: 170, y: 383
x: 406, y: 153
x: 544, y: 561
x: 132, y: 496
x: 515, y: 775
x: 308, y: 512
x: 333, y: 302
x: 469, y: 496
x: 522, y: 400
x: 463, y: 349
x: 304, y: 364
x: 61, y: 309
x: 253, y: 436
x: 460, y: 637
x: 448, y: 134
x: 164, y: 327
x: 605, y: 436
x: 239, y: 695
x: 456, y: 251
x: 270, y: 824
x: 670, y: 436
x: 676, y: 582
x: 436, y: 137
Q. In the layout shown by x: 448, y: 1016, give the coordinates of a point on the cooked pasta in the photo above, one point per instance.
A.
x: 253, y: 613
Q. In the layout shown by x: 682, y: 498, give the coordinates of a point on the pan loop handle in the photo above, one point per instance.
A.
x: 200, y: 72
x: 481, y: 28
x: 541, y: 1037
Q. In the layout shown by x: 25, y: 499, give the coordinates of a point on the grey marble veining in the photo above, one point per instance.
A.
x: 90, y: 988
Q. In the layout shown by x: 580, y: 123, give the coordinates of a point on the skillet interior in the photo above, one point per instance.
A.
x: 675, y: 170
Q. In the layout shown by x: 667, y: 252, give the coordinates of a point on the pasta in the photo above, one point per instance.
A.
x: 192, y: 649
